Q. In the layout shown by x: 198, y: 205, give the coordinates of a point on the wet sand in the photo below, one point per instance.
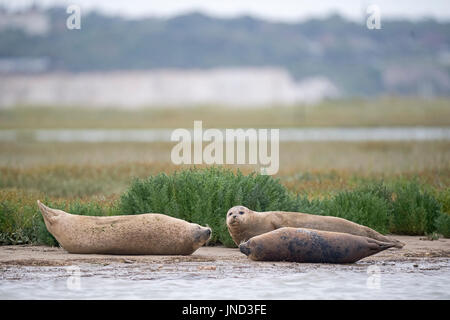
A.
x: 27, y: 255
x: 420, y: 270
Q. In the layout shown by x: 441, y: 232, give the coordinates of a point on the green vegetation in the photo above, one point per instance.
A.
x: 443, y: 225
x: 204, y: 195
x: 403, y: 208
x: 362, y: 207
x: 22, y: 223
x: 414, y: 212
x: 19, y: 221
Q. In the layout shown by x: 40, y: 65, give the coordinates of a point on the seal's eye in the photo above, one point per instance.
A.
x: 230, y: 213
x: 241, y: 212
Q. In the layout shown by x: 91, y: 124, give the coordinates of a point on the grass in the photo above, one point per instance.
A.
x: 22, y: 223
x: 387, y: 111
x: 78, y: 170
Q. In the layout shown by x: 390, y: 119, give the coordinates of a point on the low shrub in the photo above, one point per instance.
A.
x: 414, y: 211
x: 443, y: 224
x: 21, y: 221
x: 361, y: 207
x: 204, y: 196
x: 17, y: 219
x: 444, y: 198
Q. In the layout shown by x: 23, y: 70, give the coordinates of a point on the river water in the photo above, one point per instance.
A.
x: 285, y: 134
x: 420, y: 279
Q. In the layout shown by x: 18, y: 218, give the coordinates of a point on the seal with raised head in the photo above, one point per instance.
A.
x: 150, y: 233
x: 244, y: 224
x: 311, y: 246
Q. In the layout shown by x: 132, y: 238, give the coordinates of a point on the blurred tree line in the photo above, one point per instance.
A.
x: 358, y: 60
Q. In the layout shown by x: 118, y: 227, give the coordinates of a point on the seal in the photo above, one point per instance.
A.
x: 311, y: 246
x: 149, y: 233
x: 244, y: 224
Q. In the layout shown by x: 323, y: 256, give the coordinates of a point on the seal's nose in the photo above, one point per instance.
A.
x: 244, y: 248
x: 208, y: 232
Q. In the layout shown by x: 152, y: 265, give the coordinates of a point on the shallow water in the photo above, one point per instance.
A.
x: 230, y: 280
x: 286, y: 134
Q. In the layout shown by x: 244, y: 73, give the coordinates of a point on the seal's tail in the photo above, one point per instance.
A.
x: 397, y: 244
x: 49, y: 214
x: 378, y: 246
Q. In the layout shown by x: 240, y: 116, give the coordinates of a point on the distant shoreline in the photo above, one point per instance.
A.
x: 360, y: 134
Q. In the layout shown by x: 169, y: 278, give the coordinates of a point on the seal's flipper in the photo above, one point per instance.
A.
x: 397, y: 244
x: 49, y: 214
x: 378, y: 246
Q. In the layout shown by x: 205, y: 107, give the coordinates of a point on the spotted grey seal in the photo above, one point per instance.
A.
x: 244, y: 224
x: 311, y: 246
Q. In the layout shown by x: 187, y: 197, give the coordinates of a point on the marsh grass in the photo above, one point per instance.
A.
x: 387, y: 111
x: 79, y: 170
x: 21, y: 221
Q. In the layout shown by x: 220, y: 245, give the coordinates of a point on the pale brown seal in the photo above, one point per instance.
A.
x: 150, y: 233
x: 244, y: 224
x: 311, y: 246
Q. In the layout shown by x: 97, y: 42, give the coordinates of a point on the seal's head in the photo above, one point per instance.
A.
x: 201, y: 235
x: 253, y: 248
x: 244, y: 224
x: 244, y: 247
x: 238, y: 215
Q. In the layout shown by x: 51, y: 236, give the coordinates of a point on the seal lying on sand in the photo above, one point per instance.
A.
x: 313, y: 246
x: 135, y: 234
x: 244, y: 224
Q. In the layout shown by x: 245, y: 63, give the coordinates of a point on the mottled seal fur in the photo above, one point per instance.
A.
x: 244, y: 224
x: 150, y: 233
x: 311, y: 246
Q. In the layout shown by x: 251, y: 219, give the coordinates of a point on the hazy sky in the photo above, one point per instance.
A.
x: 282, y: 10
